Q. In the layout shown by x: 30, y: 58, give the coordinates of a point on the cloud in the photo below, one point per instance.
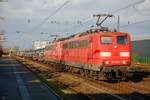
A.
x: 144, y: 8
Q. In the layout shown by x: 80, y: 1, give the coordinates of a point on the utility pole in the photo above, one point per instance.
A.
x: 118, y: 24
x: 2, y: 39
x: 2, y: 36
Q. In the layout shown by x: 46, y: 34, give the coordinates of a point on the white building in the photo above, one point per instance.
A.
x: 39, y: 44
x: 140, y: 37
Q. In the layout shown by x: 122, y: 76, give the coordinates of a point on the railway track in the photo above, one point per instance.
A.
x: 123, y: 87
x: 145, y: 82
x: 112, y: 90
x: 136, y: 87
x: 92, y: 88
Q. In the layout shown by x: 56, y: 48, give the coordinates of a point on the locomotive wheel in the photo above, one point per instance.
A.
x: 87, y: 73
x: 109, y: 75
x: 95, y: 77
x: 81, y: 72
x: 75, y: 70
x: 66, y: 68
x: 70, y: 69
x: 101, y: 76
x: 90, y: 74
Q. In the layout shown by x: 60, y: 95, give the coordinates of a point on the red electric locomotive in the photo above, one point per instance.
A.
x: 100, y: 54
x: 53, y: 52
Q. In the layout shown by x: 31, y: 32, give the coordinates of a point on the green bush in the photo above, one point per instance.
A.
x: 141, y: 59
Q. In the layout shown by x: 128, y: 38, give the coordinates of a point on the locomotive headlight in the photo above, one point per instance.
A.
x: 105, y: 54
x: 106, y: 62
x: 124, y: 54
x: 124, y: 62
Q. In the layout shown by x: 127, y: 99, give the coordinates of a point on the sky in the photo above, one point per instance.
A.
x: 26, y: 21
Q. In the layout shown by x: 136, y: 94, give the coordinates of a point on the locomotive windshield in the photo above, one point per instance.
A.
x: 106, y: 39
x: 122, y: 39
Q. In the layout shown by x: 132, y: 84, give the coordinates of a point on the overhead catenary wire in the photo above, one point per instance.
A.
x: 115, y: 11
x: 90, y: 19
x: 140, y: 12
x: 128, y: 6
x: 139, y: 22
x: 51, y: 15
x: 123, y: 8
x: 82, y: 23
x: 45, y: 19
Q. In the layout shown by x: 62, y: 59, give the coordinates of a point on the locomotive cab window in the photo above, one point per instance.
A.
x: 106, y: 40
x: 122, y: 39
